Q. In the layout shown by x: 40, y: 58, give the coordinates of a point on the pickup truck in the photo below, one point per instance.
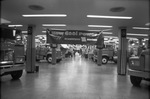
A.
x: 107, y: 54
x: 45, y: 52
x: 139, y: 68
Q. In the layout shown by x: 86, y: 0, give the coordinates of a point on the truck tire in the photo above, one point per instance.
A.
x: 16, y: 74
x: 135, y: 80
x: 104, y: 60
x: 49, y: 58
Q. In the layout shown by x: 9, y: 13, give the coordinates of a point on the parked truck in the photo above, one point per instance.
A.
x: 45, y: 52
x: 139, y: 68
x: 107, y: 55
x: 12, y: 59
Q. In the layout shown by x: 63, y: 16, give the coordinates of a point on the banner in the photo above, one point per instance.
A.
x: 72, y: 37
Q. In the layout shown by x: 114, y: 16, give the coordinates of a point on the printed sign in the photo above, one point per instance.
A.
x: 72, y: 37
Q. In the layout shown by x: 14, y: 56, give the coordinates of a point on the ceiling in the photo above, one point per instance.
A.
x: 77, y: 11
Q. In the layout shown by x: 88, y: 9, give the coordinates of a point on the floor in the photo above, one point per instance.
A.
x: 73, y: 78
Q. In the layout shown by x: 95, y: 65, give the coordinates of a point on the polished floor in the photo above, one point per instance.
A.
x: 73, y: 78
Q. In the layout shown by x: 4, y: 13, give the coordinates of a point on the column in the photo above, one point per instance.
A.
x: 53, y: 54
x: 99, y: 57
x: 30, y: 52
x: 122, y: 52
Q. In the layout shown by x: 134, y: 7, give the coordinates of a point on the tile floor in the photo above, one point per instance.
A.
x: 73, y: 78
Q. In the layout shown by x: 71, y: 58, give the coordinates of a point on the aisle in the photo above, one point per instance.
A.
x: 73, y: 78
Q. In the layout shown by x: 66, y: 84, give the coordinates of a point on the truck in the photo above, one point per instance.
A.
x: 45, y: 52
x: 139, y: 68
x: 108, y: 54
x: 12, y: 59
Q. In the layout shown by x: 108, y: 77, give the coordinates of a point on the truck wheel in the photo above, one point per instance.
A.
x: 16, y: 74
x: 135, y: 80
x: 104, y: 60
x: 49, y: 58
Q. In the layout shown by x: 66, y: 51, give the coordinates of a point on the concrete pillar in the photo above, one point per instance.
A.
x: 30, y: 52
x: 148, y: 45
x: 122, y: 52
x: 53, y: 55
x: 99, y: 57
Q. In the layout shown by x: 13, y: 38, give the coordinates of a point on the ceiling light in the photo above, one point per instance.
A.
x: 111, y: 37
x: 106, y: 26
x: 141, y: 28
x: 15, y: 25
x: 53, y: 24
x: 106, y: 29
x: 95, y: 30
x: 137, y: 34
x: 147, y: 24
x: 107, y: 32
x: 24, y: 32
x: 43, y: 31
x: 44, y: 15
x: 111, y: 17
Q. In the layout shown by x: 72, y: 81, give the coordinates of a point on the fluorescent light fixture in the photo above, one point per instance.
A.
x: 111, y: 17
x: 53, y: 24
x: 15, y: 25
x: 43, y: 31
x: 57, y: 29
x: 111, y: 37
x: 44, y: 15
x: 137, y: 34
x: 105, y: 26
x: 94, y: 30
x: 106, y: 29
x: 24, y: 31
x: 107, y: 32
x: 132, y: 38
x: 147, y: 24
x: 141, y: 28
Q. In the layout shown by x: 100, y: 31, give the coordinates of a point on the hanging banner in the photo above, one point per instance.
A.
x: 72, y: 37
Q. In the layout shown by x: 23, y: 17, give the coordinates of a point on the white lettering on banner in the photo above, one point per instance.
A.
x: 57, y: 33
x: 75, y: 33
x: 75, y: 39
x: 83, y: 39
x: 86, y: 34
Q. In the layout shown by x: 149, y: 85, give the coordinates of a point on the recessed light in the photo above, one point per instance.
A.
x: 111, y: 17
x: 137, y: 34
x: 53, y: 24
x: 105, y: 26
x: 44, y: 15
x: 15, y: 25
x: 141, y: 28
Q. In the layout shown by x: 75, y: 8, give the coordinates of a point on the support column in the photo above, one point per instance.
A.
x: 30, y: 52
x: 53, y: 54
x: 122, y: 52
x: 99, y: 57
x: 148, y: 45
